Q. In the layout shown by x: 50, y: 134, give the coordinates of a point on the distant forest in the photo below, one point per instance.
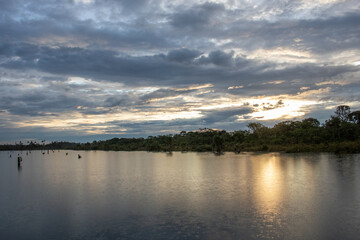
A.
x: 339, y: 134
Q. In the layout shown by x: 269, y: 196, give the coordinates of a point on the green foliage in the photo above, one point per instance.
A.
x: 343, y: 112
x: 355, y: 117
x: 217, y: 143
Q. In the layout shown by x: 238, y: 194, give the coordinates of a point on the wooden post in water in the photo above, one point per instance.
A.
x: 19, y: 161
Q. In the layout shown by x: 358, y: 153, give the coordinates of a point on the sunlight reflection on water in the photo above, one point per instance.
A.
x: 141, y: 195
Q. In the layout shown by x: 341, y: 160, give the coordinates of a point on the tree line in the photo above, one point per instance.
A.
x: 340, y: 133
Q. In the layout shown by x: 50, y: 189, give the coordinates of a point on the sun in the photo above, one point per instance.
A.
x: 288, y: 110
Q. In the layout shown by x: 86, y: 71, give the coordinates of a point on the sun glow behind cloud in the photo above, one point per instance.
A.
x: 84, y: 1
x: 283, y: 55
x: 268, y: 108
x: 100, y: 124
x: 290, y: 110
x: 100, y: 67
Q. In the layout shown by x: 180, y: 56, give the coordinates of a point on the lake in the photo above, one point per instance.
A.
x: 142, y: 195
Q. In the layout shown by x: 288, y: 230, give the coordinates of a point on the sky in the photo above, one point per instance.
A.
x: 84, y: 70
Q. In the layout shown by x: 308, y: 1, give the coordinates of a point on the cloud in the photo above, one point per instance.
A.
x: 116, y: 101
x: 61, y: 24
x: 126, y: 5
x: 157, y: 70
x: 224, y: 116
x: 38, y: 103
x: 196, y: 17
x: 183, y: 55
x: 164, y: 93
x: 219, y: 58
x: 189, y: 62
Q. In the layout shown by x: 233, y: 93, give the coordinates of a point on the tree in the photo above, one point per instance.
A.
x: 255, y: 127
x: 343, y: 113
x: 310, y: 123
x: 217, y: 143
x: 332, y: 127
x: 355, y: 117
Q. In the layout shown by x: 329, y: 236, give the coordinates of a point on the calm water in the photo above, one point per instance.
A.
x: 141, y: 195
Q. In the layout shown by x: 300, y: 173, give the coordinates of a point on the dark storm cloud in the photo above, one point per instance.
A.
x: 50, y: 22
x: 197, y: 16
x: 155, y: 69
x: 317, y: 35
x: 164, y: 93
x: 219, y: 58
x: 101, y: 64
x: 116, y: 101
x: 47, y: 20
x: 80, y: 33
x: 227, y: 115
x: 320, y: 35
x: 83, y: 62
x: 38, y: 103
x: 183, y: 55
x: 127, y: 5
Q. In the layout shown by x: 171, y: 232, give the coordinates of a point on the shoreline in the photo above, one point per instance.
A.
x: 337, y: 148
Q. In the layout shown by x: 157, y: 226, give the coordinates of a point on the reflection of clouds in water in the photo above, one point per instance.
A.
x: 140, y: 195
x: 167, y: 225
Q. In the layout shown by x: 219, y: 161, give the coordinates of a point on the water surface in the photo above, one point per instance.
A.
x: 141, y: 195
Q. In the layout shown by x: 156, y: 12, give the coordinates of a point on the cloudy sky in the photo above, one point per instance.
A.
x: 84, y: 70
